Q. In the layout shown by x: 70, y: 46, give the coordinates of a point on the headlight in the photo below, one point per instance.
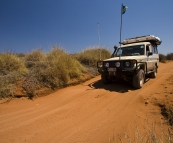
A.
x: 117, y: 64
x: 130, y: 63
x: 100, y: 64
x: 127, y: 64
x: 134, y: 63
x: 106, y: 65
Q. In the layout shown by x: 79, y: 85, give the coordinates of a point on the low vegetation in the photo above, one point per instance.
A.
x: 167, y: 112
x: 11, y: 70
x: 90, y: 56
x: 149, y: 132
x: 25, y: 74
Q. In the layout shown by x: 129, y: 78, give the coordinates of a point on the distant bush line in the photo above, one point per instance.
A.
x: 163, y: 58
x: 25, y: 74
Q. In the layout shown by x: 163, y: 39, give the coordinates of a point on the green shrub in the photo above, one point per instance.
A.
x: 91, y: 55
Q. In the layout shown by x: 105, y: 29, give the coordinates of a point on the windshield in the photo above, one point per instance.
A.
x: 130, y: 51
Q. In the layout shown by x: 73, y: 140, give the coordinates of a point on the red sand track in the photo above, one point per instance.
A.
x: 87, y: 113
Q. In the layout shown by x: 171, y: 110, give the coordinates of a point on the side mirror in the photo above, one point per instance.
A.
x: 115, y: 47
x: 99, y: 64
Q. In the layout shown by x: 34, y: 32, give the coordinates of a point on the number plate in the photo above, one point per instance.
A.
x: 112, y: 69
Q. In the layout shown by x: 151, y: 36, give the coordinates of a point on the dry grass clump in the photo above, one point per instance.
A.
x: 90, y: 56
x: 6, y: 86
x: 11, y: 70
x: 167, y: 112
x: 10, y: 63
x: 37, y: 70
x: 34, y: 59
x: 57, y: 69
x: 149, y: 132
x: 54, y: 69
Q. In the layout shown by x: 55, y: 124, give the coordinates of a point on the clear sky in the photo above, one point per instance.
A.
x: 26, y: 25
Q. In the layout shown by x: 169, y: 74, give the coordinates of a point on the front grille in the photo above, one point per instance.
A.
x: 112, y: 64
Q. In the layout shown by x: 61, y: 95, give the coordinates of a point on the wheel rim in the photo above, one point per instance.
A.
x: 141, y: 79
x: 155, y: 73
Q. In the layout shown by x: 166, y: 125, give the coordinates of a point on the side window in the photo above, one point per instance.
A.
x: 119, y: 52
x: 147, y: 49
x: 154, y: 49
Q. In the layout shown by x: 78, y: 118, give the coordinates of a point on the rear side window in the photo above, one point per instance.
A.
x: 154, y: 49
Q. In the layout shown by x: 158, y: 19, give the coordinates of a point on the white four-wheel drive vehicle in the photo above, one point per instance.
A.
x: 135, y: 59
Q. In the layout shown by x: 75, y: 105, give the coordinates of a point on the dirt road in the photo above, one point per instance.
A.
x: 87, y: 113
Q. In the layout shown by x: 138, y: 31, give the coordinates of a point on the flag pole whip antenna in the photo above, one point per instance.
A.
x: 99, y: 39
x: 120, y: 30
x: 123, y: 10
x: 121, y: 25
x: 98, y: 34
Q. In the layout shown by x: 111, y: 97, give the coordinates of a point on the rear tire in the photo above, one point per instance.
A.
x: 138, y: 79
x: 105, y: 79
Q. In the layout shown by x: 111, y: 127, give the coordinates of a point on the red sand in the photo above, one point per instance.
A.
x: 90, y: 112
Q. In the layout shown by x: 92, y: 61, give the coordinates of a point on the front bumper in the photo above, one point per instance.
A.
x: 118, y: 72
x: 110, y: 68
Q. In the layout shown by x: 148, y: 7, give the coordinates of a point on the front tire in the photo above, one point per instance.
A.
x: 138, y: 79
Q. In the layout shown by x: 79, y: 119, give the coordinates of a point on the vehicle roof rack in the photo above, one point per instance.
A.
x: 148, y: 38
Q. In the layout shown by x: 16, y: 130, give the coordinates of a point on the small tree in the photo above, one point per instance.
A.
x: 169, y: 56
x: 162, y: 58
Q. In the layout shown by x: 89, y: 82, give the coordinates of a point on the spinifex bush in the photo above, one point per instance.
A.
x: 54, y: 69
x: 62, y: 68
x: 7, y: 85
x: 71, y: 65
x: 34, y: 59
x: 11, y: 69
x: 91, y: 55
x: 10, y: 63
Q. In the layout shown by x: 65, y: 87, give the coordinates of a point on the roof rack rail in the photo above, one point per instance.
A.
x: 147, y: 38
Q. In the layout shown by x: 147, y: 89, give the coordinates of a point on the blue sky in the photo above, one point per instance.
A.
x: 26, y: 25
